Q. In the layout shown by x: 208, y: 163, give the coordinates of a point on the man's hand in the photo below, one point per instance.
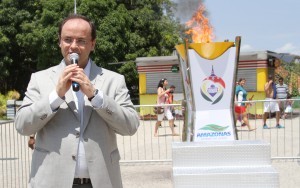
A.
x: 86, y: 86
x: 250, y: 99
x: 64, y: 82
x: 31, y: 142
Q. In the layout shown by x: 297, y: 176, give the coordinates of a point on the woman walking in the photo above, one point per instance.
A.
x: 240, y: 107
x: 162, y: 98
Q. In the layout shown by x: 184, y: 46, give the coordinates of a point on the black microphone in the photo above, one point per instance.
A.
x: 74, y: 60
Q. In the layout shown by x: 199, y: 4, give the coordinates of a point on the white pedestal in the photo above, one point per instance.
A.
x: 232, y: 164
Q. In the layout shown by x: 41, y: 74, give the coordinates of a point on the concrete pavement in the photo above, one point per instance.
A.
x: 160, y: 175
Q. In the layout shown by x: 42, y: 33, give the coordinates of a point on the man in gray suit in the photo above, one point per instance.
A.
x: 76, y: 142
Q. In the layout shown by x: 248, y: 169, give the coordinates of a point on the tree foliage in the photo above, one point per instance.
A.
x: 291, y: 79
x: 126, y: 29
x: 14, y: 65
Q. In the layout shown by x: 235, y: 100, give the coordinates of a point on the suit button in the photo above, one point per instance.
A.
x: 43, y: 116
x: 74, y: 157
x: 108, y: 111
x: 77, y: 134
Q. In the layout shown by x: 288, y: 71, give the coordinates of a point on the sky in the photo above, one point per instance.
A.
x: 272, y: 25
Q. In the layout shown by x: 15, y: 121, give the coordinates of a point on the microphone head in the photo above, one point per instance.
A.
x: 74, y: 57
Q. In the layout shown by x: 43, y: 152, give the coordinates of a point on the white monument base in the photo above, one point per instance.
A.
x: 232, y: 164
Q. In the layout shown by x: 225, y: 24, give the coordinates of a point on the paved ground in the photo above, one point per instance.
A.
x: 160, y: 176
x: 147, y: 176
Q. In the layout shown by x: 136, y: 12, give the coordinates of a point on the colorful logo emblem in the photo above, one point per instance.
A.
x: 212, y: 88
x: 214, y: 127
x: 213, y: 131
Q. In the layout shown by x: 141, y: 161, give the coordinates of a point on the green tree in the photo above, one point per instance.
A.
x: 15, y: 59
x: 126, y: 29
x: 291, y: 79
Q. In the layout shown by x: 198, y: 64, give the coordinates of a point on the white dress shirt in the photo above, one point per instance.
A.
x: 81, y: 165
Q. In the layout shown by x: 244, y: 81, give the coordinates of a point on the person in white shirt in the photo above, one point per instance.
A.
x: 281, y: 93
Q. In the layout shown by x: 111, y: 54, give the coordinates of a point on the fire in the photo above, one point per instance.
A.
x: 200, y: 28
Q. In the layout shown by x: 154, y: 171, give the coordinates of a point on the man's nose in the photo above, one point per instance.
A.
x: 74, y: 44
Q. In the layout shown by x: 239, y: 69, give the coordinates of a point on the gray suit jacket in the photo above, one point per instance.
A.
x: 57, y: 136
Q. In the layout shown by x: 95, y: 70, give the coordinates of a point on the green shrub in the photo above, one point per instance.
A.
x: 2, y: 105
x: 11, y: 95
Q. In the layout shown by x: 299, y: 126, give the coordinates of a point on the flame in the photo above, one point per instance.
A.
x: 200, y: 28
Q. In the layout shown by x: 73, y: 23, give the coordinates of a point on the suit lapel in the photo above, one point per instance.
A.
x: 69, y: 98
x: 56, y: 72
x: 97, y: 78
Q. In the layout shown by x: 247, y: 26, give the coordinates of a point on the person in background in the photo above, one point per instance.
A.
x: 171, y: 100
x: 31, y: 141
x: 75, y: 131
x: 239, y: 118
x: 281, y: 93
x: 270, y: 105
x: 163, y: 98
x: 240, y: 107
